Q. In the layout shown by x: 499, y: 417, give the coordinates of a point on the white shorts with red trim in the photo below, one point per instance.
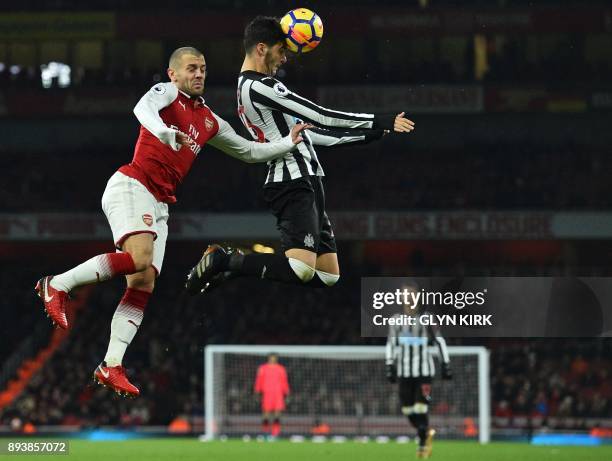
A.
x: 131, y: 209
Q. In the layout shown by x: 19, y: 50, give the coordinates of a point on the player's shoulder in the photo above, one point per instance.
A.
x: 208, y: 112
x: 207, y: 108
x: 264, y: 83
x: 164, y: 89
x: 279, y: 88
x: 253, y: 75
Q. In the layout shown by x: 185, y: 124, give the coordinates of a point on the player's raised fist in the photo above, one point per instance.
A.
x: 296, y: 131
x: 402, y: 124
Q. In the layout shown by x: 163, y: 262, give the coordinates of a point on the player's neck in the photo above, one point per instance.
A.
x: 253, y: 64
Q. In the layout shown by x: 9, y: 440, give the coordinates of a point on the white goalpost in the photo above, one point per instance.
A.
x: 343, y: 388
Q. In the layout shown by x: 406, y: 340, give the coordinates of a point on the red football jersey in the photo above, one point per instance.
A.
x: 272, y: 379
x: 161, y: 166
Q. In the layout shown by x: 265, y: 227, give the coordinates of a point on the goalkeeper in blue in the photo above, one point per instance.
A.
x: 410, y: 364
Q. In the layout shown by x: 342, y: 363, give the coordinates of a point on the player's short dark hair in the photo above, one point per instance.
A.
x: 179, y: 52
x: 262, y: 29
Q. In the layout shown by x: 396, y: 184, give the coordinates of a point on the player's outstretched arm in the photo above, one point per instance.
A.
x: 330, y: 138
x: 147, y: 113
x: 273, y: 94
x: 238, y: 147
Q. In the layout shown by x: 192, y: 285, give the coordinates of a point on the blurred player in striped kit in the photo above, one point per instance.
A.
x: 410, y: 362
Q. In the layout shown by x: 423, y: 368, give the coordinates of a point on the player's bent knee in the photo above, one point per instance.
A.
x: 328, y: 279
x: 144, y: 281
x: 140, y: 248
x: 142, y: 264
x: 142, y: 285
x: 304, y: 272
x: 143, y: 260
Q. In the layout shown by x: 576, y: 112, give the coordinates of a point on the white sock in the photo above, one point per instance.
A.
x: 97, y: 269
x: 124, y: 326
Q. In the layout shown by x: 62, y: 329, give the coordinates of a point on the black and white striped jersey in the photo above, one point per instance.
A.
x: 408, y: 349
x: 268, y: 109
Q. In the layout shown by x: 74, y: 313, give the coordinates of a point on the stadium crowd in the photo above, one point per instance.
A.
x: 545, y: 378
x: 505, y: 66
x: 97, y: 5
x: 28, y: 328
x: 515, y: 177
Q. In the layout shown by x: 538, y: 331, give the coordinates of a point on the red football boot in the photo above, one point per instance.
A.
x: 115, y: 378
x: 54, y: 301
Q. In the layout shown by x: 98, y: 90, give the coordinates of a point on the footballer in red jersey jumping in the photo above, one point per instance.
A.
x: 175, y: 125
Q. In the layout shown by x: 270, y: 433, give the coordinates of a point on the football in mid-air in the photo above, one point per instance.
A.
x: 303, y: 29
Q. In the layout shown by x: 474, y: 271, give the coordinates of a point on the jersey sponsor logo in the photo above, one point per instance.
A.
x: 193, y: 132
x: 280, y: 89
x: 159, y: 89
x: 182, y: 105
x: 309, y: 241
x: 147, y: 219
x: 194, y: 147
x: 408, y: 340
x: 208, y: 123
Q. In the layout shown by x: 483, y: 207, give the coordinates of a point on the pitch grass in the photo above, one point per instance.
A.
x: 233, y: 450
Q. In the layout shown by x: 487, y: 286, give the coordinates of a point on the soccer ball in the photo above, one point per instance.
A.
x: 303, y: 29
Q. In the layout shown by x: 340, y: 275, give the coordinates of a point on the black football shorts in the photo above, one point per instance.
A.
x: 299, y: 207
x: 414, y: 390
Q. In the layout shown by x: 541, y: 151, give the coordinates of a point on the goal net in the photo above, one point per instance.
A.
x: 342, y: 389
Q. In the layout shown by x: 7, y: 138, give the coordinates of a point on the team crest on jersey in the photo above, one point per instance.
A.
x: 159, y: 89
x: 147, y: 219
x: 280, y: 89
x: 309, y: 241
x: 208, y: 123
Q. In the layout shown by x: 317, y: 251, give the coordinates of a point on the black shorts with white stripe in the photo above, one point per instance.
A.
x: 299, y: 207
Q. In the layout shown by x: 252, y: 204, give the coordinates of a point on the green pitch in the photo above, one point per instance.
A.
x: 234, y: 450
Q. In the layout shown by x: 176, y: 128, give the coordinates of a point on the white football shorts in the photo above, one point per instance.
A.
x: 131, y: 209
